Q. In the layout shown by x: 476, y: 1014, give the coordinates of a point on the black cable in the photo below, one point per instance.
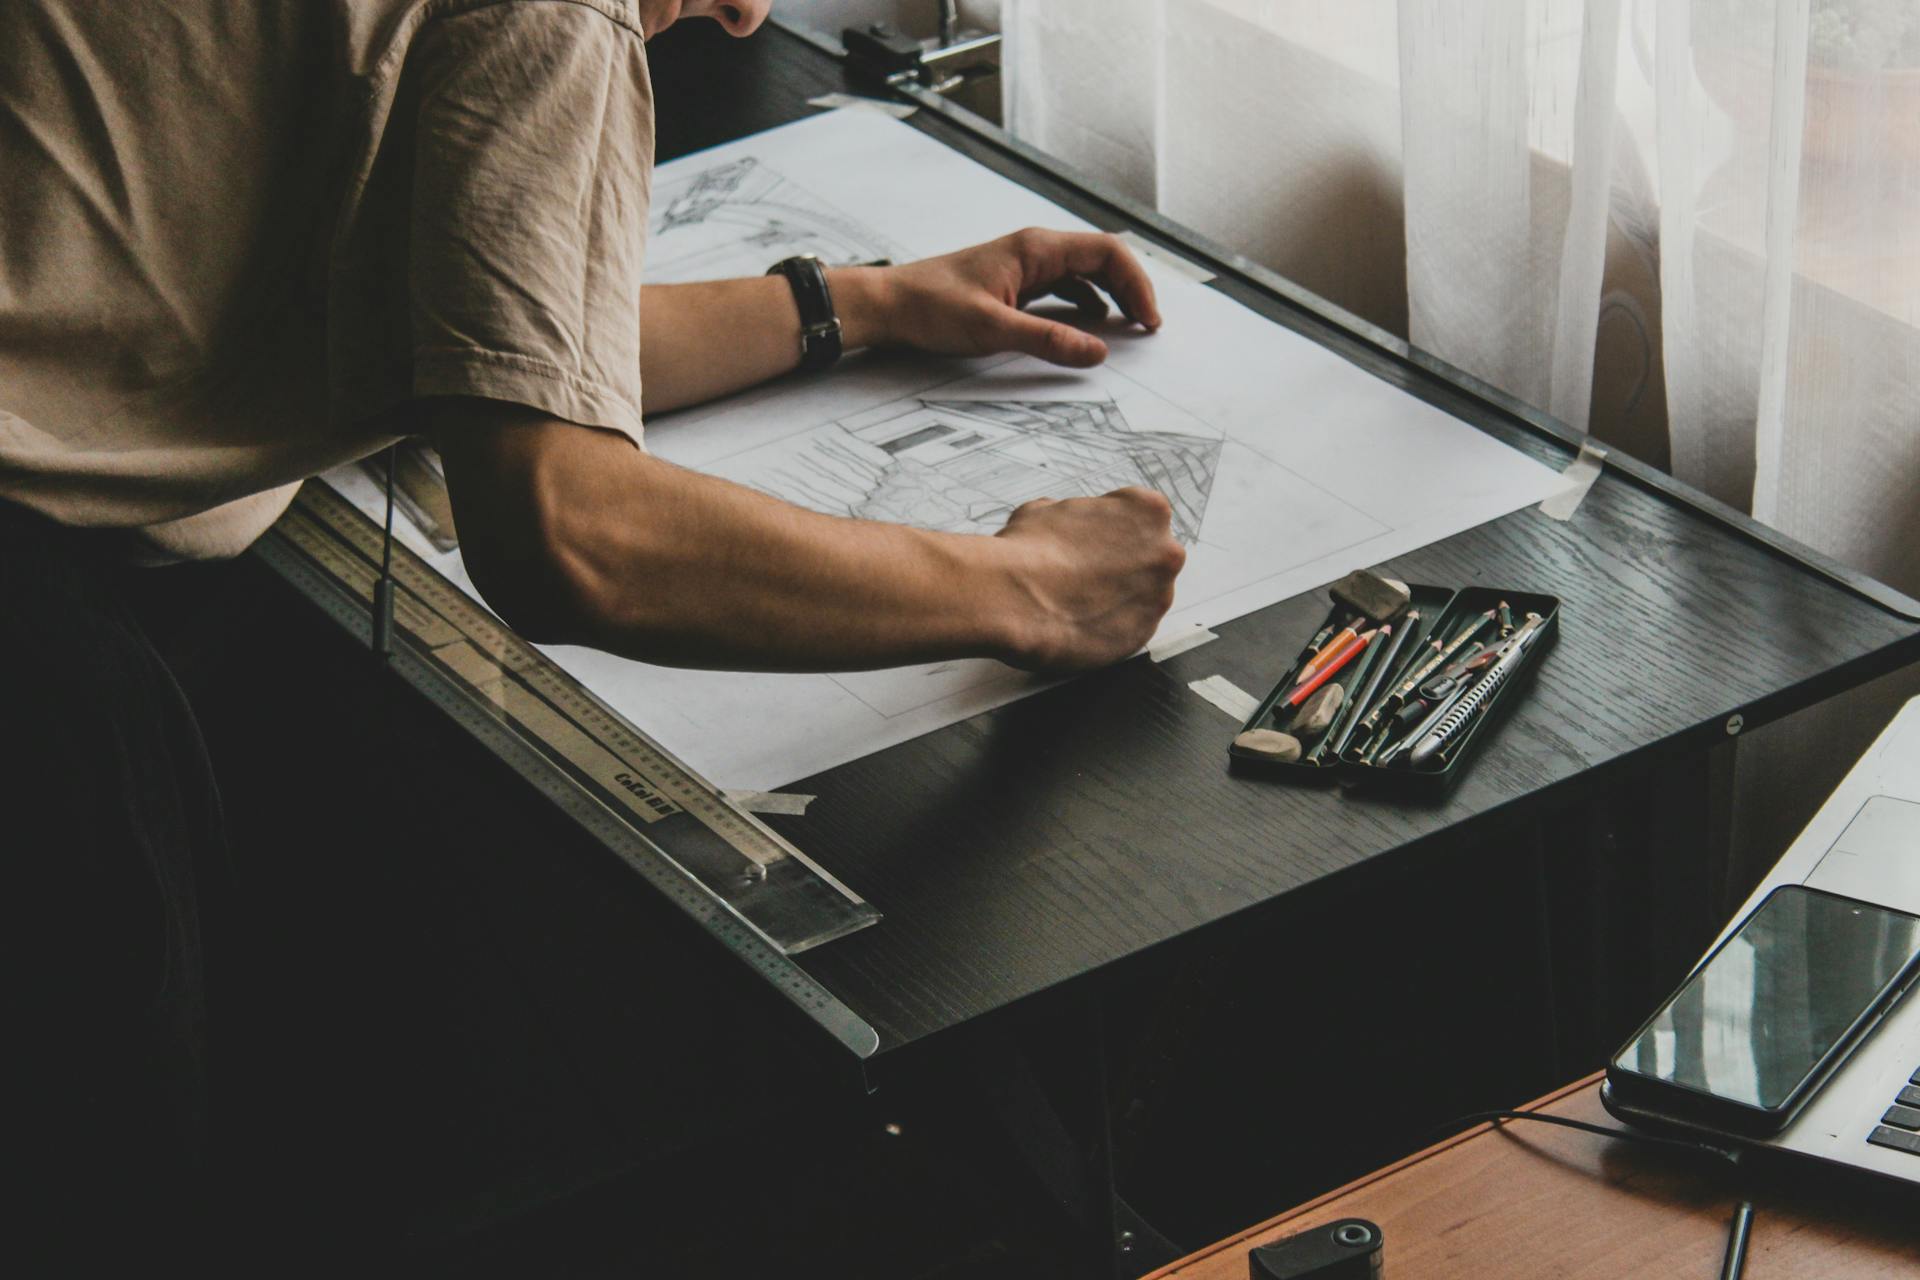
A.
x: 1738, y: 1231
x: 1730, y: 1155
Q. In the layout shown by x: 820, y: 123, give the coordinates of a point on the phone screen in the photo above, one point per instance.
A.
x: 1753, y: 1023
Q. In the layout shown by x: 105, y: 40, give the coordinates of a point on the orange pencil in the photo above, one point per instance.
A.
x: 1347, y: 654
x: 1327, y: 652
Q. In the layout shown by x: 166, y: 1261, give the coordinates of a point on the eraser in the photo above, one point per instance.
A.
x: 1317, y: 712
x: 1377, y: 597
x: 1270, y: 744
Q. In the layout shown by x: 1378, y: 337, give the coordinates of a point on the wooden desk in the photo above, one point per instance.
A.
x: 1531, y: 1200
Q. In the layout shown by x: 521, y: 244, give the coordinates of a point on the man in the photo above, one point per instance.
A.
x: 242, y: 241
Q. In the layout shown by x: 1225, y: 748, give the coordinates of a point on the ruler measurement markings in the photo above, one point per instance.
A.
x: 739, y: 935
x: 564, y: 740
x: 654, y: 768
x: 305, y: 552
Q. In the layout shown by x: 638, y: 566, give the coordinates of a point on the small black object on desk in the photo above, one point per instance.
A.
x: 1349, y: 1249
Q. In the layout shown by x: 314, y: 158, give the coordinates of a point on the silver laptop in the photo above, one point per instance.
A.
x: 1864, y: 844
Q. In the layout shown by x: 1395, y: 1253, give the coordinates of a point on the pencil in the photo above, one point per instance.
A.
x: 1367, y: 683
x: 1312, y: 650
x: 1383, y: 703
x: 1327, y: 652
x: 1366, y: 671
x: 1371, y: 752
x: 1308, y: 687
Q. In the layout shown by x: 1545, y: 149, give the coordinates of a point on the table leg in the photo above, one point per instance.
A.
x: 1064, y: 1135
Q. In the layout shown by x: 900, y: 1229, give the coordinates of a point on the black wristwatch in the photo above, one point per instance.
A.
x: 819, y: 326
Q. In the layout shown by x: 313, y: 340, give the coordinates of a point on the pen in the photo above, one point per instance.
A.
x: 1430, y: 741
x: 1426, y: 713
x: 1469, y: 659
x: 1440, y: 659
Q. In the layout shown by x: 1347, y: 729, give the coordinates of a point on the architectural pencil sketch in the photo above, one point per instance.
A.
x: 1286, y: 466
x: 962, y: 466
x: 739, y: 218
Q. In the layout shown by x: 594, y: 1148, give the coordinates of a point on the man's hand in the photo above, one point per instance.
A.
x: 576, y: 537
x: 708, y: 340
x: 1097, y: 573
x: 971, y: 303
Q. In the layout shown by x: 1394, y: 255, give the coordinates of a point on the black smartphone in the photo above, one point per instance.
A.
x: 1769, y: 1014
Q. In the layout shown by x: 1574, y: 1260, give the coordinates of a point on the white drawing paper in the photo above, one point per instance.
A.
x: 723, y: 221
x: 1287, y: 466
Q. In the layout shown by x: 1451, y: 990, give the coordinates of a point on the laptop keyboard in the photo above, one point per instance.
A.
x: 1900, y: 1127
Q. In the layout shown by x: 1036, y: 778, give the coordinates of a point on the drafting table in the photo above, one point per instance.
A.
x: 1021, y: 855
x: 1008, y: 860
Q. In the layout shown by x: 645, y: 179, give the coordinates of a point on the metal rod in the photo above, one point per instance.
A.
x: 1737, y: 1236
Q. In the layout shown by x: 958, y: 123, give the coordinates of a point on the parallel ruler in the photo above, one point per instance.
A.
x: 745, y: 883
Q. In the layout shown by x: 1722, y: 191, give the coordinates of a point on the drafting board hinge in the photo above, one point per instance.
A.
x: 880, y: 52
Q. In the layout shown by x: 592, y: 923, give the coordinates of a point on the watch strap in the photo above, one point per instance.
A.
x: 820, y: 344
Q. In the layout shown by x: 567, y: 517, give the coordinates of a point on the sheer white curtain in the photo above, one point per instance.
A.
x: 1691, y: 226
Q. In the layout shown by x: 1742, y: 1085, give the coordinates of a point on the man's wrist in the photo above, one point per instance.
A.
x: 863, y: 297
x: 994, y: 597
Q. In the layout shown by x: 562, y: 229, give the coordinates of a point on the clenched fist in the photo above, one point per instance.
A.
x: 1095, y: 574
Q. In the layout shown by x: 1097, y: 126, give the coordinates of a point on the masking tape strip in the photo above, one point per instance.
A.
x: 1579, y: 477
x: 1165, y: 256
x: 787, y: 802
x: 1191, y: 637
x: 829, y: 101
x: 1228, y: 696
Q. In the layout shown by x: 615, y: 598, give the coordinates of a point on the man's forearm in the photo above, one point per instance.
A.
x: 580, y: 538
x: 699, y: 342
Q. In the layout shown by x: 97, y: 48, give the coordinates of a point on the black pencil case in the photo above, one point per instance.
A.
x: 1444, y: 612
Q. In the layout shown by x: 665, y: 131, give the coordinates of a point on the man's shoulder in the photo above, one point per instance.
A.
x: 377, y: 33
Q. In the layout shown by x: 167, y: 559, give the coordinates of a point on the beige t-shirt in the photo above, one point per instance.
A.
x: 237, y: 235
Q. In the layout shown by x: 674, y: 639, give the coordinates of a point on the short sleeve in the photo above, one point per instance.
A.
x: 533, y: 156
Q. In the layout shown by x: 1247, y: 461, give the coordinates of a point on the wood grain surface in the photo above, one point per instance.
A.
x: 1530, y: 1200
x: 1028, y: 847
